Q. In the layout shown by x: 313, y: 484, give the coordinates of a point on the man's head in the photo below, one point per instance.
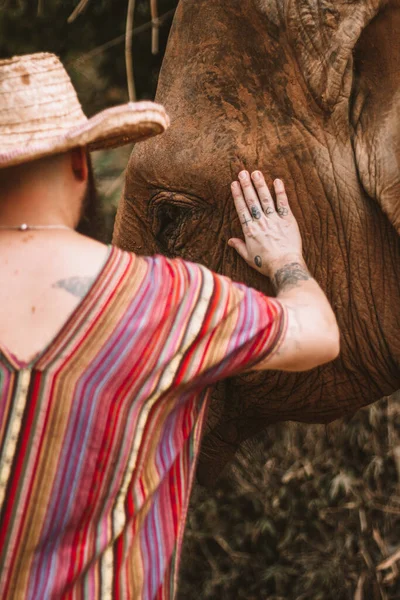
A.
x: 61, y: 182
x: 45, y: 140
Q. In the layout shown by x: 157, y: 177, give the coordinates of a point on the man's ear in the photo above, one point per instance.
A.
x: 79, y: 164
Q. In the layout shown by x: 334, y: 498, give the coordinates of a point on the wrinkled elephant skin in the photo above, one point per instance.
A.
x: 305, y: 90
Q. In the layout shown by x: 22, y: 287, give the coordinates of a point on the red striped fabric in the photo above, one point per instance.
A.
x: 99, y: 435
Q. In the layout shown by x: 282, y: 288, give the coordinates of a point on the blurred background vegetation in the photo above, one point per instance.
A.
x: 305, y: 513
x: 91, y: 45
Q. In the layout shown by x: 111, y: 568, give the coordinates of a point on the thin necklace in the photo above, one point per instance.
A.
x: 25, y: 227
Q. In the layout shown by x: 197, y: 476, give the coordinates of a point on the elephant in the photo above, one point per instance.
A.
x: 307, y: 91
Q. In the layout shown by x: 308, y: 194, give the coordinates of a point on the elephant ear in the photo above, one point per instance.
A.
x: 348, y: 52
x: 323, y: 35
x: 375, y: 112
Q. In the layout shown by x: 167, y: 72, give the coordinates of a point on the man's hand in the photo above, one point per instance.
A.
x: 272, y: 238
x: 273, y: 247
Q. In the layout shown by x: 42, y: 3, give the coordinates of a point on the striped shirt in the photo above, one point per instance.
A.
x: 99, y: 434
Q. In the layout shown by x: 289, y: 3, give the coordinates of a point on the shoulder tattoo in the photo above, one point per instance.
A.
x: 77, y: 286
x: 287, y: 277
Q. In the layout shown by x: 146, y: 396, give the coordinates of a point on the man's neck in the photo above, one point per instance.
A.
x: 38, y: 205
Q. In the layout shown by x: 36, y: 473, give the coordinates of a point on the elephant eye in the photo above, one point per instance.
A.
x: 175, y: 219
x: 168, y: 222
x: 168, y: 219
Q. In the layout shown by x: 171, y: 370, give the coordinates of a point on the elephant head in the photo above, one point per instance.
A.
x: 308, y: 91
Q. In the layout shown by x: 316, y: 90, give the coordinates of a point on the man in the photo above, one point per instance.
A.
x: 106, y: 357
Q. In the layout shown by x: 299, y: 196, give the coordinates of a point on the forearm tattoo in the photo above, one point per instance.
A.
x: 77, y: 286
x: 288, y: 277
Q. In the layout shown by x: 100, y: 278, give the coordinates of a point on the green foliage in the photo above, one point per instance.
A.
x: 91, y: 47
x: 93, y: 52
x: 109, y: 168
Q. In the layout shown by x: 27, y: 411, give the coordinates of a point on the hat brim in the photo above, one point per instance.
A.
x: 113, y: 127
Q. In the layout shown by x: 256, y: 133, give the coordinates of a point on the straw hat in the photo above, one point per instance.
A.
x: 40, y: 113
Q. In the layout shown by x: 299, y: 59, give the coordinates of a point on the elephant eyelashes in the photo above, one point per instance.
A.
x: 168, y: 221
x: 175, y: 219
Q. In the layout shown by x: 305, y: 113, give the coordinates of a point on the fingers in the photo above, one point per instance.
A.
x: 282, y: 202
x: 240, y: 248
x: 264, y: 194
x: 260, y: 200
x: 253, y: 200
x: 250, y: 196
x: 241, y: 206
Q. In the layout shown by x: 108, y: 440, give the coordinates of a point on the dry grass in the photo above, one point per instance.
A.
x: 307, y: 513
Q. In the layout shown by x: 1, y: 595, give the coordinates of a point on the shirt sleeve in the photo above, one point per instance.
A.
x: 232, y: 327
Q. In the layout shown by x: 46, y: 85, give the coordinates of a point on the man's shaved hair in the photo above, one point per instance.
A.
x: 12, y: 177
x: 92, y: 220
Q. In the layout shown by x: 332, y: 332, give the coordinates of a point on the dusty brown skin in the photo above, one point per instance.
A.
x: 308, y: 91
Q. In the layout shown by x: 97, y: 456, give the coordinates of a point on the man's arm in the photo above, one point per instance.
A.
x: 273, y: 247
x: 312, y: 336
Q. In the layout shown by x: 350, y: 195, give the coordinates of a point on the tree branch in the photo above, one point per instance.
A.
x: 128, y: 51
x: 80, y: 8
x: 155, y: 26
x: 115, y: 41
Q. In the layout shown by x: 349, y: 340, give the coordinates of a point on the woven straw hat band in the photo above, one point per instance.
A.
x: 38, y: 104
